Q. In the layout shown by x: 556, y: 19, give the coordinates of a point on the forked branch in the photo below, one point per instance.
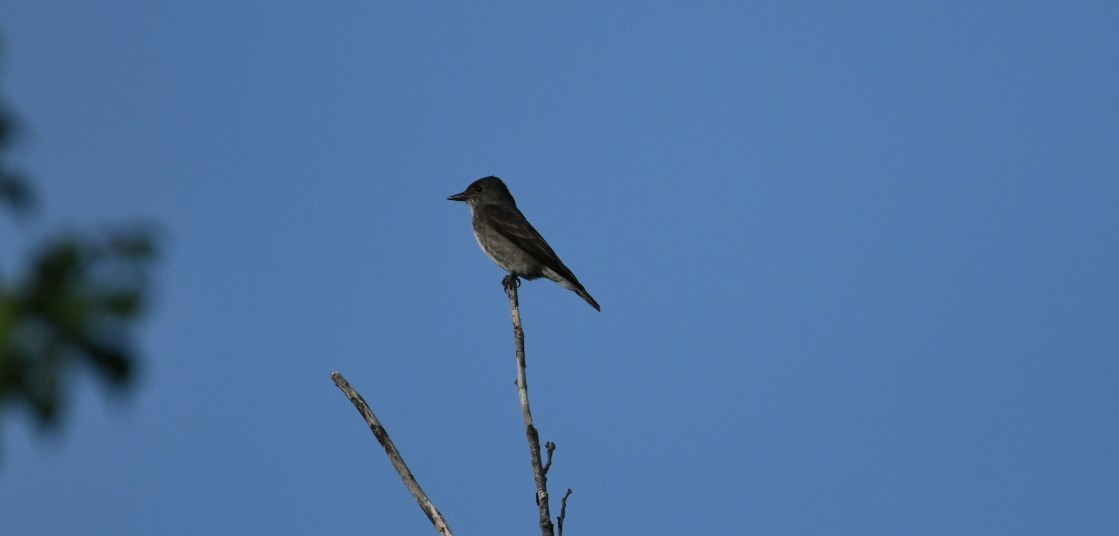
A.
x: 511, y: 283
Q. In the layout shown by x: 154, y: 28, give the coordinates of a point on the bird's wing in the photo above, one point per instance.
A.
x: 511, y: 224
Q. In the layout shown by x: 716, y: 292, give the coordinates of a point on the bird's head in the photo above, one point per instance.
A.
x: 485, y: 190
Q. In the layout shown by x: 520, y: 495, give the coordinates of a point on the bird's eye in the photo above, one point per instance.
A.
x: 478, y: 188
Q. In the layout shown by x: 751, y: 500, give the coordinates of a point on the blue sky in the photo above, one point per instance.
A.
x: 857, y: 264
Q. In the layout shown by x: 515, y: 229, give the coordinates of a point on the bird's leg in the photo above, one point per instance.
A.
x: 510, y: 280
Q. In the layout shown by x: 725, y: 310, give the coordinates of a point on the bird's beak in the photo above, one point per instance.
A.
x: 458, y: 197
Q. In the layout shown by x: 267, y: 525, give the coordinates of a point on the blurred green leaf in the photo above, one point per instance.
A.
x: 74, y: 304
x: 14, y: 189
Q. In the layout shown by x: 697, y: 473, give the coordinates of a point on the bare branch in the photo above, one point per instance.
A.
x: 394, y: 455
x: 563, y: 511
x: 551, y: 448
x: 511, y: 282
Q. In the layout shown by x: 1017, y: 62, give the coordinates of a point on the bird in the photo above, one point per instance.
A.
x: 506, y: 236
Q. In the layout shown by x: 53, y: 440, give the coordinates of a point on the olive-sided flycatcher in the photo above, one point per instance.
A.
x: 510, y: 240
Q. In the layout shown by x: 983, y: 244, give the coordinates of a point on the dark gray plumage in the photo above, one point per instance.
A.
x: 510, y: 240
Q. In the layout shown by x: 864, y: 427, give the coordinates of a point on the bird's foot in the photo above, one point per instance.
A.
x: 510, y: 281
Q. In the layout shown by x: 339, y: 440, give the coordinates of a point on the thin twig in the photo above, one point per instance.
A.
x: 394, y: 455
x: 511, y: 283
x: 563, y: 511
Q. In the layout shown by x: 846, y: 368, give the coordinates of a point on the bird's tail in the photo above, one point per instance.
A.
x: 582, y: 292
x: 572, y: 284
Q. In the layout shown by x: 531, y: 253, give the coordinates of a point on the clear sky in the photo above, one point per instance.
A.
x: 858, y: 264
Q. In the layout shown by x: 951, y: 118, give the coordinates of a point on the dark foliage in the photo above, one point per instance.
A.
x: 73, y: 304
